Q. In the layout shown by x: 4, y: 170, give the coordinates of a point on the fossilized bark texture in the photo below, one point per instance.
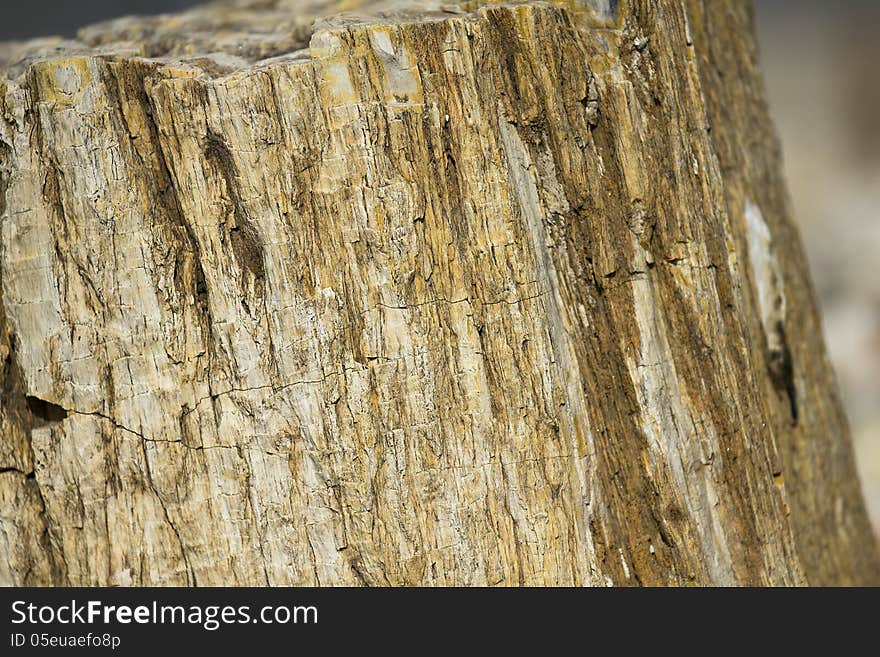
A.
x: 485, y: 294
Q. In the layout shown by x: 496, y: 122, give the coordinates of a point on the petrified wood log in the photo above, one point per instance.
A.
x: 426, y: 294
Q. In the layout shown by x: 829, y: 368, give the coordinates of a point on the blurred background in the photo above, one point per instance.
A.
x: 821, y: 64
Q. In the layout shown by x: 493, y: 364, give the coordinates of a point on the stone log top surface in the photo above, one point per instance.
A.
x: 221, y: 38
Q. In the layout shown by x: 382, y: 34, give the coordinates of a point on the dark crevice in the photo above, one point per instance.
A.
x: 26, y: 475
x: 45, y: 412
x: 782, y: 371
x: 246, y: 245
x: 5, y: 173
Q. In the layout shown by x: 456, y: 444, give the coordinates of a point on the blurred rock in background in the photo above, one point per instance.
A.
x: 822, y: 69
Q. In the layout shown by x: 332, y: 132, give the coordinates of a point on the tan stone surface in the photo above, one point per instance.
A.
x: 484, y: 294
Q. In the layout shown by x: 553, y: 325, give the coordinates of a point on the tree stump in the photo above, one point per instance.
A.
x: 411, y: 294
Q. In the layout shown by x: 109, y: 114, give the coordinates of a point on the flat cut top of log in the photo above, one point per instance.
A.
x: 223, y: 37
